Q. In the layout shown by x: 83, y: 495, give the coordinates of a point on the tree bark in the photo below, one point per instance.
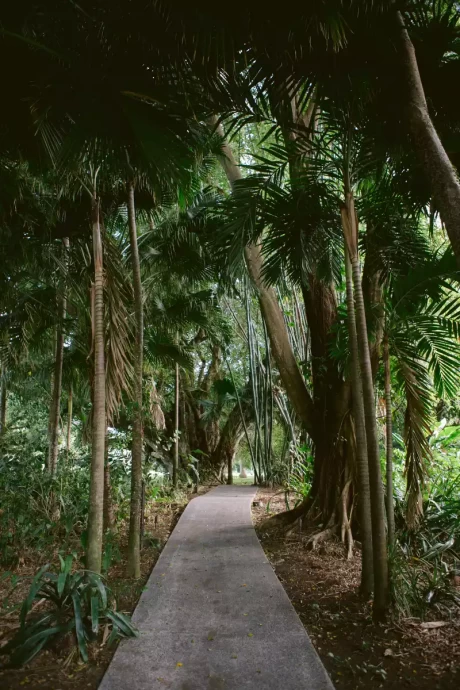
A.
x: 134, y: 544
x: 242, y: 414
x: 3, y: 396
x: 176, y: 429
x: 330, y: 398
x: 69, y: 421
x: 389, y: 444
x: 53, y: 424
x: 109, y: 517
x: 283, y: 354
x: 379, y: 542
x: 99, y: 426
x: 438, y: 169
x: 364, y: 499
x: 373, y: 299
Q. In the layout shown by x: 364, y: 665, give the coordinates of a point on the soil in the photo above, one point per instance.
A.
x: 323, y: 587
x: 60, y: 668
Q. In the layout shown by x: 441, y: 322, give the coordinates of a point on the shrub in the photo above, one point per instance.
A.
x: 77, y: 602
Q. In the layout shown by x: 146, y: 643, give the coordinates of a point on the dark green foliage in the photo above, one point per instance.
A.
x: 76, y: 602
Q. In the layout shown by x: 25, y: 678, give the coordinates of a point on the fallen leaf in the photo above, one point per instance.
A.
x: 430, y: 625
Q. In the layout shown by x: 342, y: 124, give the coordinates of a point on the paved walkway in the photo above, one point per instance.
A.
x: 214, y: 615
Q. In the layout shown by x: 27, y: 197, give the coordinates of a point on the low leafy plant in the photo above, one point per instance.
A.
x: 76, y: 602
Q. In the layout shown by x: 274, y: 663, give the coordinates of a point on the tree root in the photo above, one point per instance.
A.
x: 345, y: 528
x: 319, y: 537
x: 289, y: 518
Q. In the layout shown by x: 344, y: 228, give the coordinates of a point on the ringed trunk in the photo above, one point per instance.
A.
x: 96, y: 498
x: 69, y: 421
x: 379, y: 542
x: 176, y: 429
x: 364, y: 499
x: 389, y: 444
x: 134, y: 543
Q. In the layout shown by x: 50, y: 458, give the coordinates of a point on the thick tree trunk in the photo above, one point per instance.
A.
x: 99, y: 426
x: 53, y: 424
x: 3, y: 396
x: 389, y: 444
x: 379, y: 542
x: 176, y: 429
x: 330, y: 399
x: 69, y: 421
x: 364, y: 499
x: 438, y: 169
x: 242, y: 414
x: 283, y: 354
x: 134, y: 544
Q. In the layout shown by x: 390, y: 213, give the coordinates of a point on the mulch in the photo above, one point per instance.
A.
x: 323, y: 588
x: 59, y: 667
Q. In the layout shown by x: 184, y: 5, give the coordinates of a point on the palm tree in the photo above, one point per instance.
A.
x: 137, y: 446
x: 389, y: 444
x: 57, y: 374
x: 379, y: 542
x: 367, y: 573
x: 99, y: 419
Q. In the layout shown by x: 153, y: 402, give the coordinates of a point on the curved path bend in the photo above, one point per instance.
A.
x: 214, y: 616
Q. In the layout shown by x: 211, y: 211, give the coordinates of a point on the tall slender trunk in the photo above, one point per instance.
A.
x: 108, y: 501
x: 53, y: 424
x: 69, y: 421
x: 283, y: 354
x: 379, y: 542
x: 99, y: 426
x: 134, y: 544
x: 176, y: 428
x: 3, y: 395
x: 364, y: 498
x: 438, y: 169
x: 389, y: 444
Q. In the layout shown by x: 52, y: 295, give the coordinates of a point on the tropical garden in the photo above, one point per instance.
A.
x: 230, y: 251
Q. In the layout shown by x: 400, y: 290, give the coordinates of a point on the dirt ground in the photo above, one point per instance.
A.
x: 323, y: 587
x: 59, y: 668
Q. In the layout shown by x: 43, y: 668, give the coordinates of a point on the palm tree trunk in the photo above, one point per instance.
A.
x: 389, y: 444
x: 69, y: 421
x: 108, y: 502
x: 379, y: 542
x: 176, y: 429
x: 438, y: 169
x: 3, y: 395
x: 134, y: 544
x: 283, y: 354
x: 99, y: 426
x: 367, y: 571
x: 53, y: 424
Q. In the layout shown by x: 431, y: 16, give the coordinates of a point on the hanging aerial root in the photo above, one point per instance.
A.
x: 345, y: 527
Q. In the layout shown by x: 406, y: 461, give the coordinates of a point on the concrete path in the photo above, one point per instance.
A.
x: 214, y: 615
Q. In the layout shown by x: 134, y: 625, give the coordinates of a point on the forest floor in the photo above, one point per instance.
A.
x: 59, y: 668
x: 323, y: 588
